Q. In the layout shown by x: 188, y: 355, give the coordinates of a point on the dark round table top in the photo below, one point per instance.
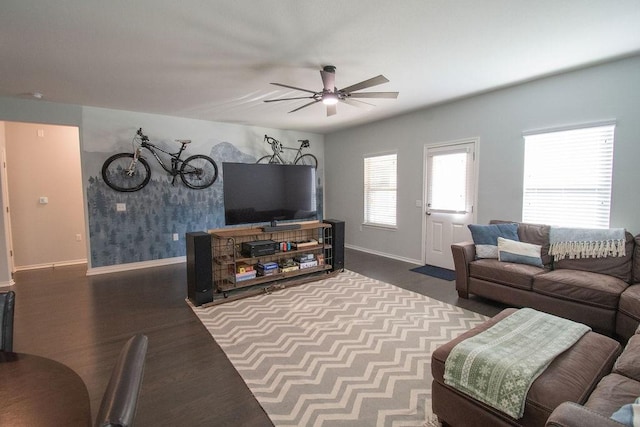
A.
x: 36, y: 391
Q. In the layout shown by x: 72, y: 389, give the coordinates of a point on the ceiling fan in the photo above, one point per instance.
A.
x: 330, y: 95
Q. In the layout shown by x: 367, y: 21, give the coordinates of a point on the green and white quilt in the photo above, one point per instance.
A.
x: 499, y: 365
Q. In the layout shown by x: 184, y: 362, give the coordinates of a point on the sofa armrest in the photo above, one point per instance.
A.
x: 463, y: 254
x: 570, y: 414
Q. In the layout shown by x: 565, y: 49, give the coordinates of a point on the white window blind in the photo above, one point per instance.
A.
x: 380, y: 190
x: 567, y: 177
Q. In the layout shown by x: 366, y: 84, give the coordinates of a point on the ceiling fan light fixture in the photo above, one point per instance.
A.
x: 329, y: 99
x: 330, y: 95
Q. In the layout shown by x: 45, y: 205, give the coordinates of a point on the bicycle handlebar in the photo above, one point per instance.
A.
x: 142, y: 135
x: 270, y: 140
x: 303, y: 142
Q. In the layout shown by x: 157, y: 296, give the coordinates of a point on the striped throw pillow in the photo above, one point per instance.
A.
x: 519, y: 252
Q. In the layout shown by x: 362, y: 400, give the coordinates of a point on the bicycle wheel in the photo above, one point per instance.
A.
x: 308, y: 160
x: 199, y: 172
x: 117, y: 173
x: 269, y: 159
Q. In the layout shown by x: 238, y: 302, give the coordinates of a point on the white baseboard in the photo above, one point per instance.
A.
x: 370, y: 251
x: 50, y: 265
x: 135, y: 265
x: 7, y: 284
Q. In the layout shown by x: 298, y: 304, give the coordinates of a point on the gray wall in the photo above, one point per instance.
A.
x: 603, y: 92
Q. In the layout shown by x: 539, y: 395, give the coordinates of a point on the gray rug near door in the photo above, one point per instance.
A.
x: 344, y: 351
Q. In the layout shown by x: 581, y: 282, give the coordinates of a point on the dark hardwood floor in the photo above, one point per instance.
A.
x: 83, y: 322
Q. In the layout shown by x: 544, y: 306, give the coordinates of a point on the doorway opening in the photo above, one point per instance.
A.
x: 42, y: 196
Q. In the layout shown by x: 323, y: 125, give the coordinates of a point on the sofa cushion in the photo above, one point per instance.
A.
x: 612, y: 392
x: 485, y: 237
x: 619, y: 267
x: 506, y: 273
x: 628, y: 364
x: 584, y: 287
x: 630, y: 302
x: 519, y: 252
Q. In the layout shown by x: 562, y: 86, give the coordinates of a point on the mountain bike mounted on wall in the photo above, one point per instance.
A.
x: 129, y: 172
x: 278, y: 148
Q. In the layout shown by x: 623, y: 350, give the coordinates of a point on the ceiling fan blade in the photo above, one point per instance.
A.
x: 374, y: 81
x: 328, y: 80
x: 331, y: 110
x: 305, y: 105
x: 288, y: 99
x: 357, y: 103
x: 374, y: 95
x: 293, y: 87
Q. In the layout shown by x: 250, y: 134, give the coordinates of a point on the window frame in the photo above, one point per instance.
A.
x: 367, y: 190
x: 584, y: 175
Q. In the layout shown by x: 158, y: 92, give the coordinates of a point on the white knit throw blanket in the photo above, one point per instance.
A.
x: 576, y: 243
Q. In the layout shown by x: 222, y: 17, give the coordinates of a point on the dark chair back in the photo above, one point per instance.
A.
x: 118, y: 407
x: 7, y: 302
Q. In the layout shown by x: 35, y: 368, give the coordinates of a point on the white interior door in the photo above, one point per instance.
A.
x: 450, y: 195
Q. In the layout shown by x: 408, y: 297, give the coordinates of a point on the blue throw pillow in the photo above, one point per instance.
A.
x: 485, y: 237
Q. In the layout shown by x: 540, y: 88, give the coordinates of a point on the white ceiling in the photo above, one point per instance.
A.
x: 214, y: 59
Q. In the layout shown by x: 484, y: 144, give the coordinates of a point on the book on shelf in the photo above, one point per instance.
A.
x: 246, y: 276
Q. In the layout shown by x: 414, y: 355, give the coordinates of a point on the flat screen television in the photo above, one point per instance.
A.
x: 258, y: 193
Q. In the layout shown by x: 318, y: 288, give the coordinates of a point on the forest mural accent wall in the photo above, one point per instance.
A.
x: 144, y: 230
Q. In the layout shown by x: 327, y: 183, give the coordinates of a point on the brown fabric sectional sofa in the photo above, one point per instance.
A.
x: 572, y: 376
x: 582, y: 387
x: 603, y: 293
x: 620, y: 387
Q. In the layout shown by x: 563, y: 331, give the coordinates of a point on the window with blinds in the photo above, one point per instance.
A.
x: 380, y: 189
x: 567, y: 177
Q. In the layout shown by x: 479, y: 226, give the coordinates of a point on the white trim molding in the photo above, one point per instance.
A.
x: 7, y: 284
x: 135, y: 265
x: 50, y: 265
x: 369, y: 251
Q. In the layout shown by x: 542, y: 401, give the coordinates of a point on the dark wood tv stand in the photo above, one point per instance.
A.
x: 313, y: 237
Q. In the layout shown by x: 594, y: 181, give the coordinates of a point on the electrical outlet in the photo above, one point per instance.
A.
x: 78, y: 237
x: 176, y: 237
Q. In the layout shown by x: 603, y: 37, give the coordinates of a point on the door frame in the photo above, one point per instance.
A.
x: 6, y: 190
x: 474, y: 214
x: 7, y: 213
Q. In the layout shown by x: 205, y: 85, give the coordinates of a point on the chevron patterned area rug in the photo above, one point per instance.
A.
x: 343, y: 351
